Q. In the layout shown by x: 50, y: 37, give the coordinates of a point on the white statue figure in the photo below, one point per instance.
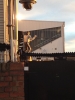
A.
x: 27, y: 40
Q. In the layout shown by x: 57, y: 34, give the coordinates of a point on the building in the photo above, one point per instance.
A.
x: 4, y: 36
x: 50, y: 35
x: 3, y: 21
x: 5, y: 11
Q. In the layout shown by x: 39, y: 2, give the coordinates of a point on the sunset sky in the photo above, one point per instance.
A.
x: 54, y: 10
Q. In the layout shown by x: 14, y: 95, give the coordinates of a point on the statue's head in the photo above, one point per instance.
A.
x: 28, y: 33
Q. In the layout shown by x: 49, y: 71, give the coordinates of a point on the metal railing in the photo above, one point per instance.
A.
x: 4, y: 56
x: 46, y: 41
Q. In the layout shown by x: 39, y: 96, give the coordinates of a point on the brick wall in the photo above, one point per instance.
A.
x: 12, y: 81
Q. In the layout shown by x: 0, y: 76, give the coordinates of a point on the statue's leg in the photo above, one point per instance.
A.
x: 29, y: 47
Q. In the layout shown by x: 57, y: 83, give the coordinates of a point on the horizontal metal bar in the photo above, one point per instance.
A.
x: 71, y: 54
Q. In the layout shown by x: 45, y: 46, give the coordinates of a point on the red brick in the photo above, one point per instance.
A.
x: 4, y: 84
x: 20, y: 78
x: 8, y: 78
x: 13, y: 83
x: 21, y: 89
x: 4, y: 73
x: 1, y: 89
x: 14, y: 78
x: 20, y: 83
x: 8, y: 89
x: 15, y: 89
x: 15, y: 98
x: 1, y: 79
x: 5, y: 67
x: 17, y: 83
x: 4, y: 95
x: 16, y: 73
x: 16, y: 66
x: 21, y: 98
x: 16, y: 94
x: 7, y: 98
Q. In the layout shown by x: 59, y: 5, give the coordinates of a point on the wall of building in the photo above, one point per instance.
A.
x: 4, y: 21
x: 12, y: 81
x: 6, y: 35
x: 52, y: 47
x: 28, y: 25
x: 1, y: 21
x: 1, y: 27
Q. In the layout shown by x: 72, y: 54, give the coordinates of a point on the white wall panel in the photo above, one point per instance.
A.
x: 50, y: 47
x: 27, y: 25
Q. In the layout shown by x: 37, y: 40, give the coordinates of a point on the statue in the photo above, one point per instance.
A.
x: 27, y: 40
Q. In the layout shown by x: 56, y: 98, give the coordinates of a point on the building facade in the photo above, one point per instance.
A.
x: 4, y: 36
x: 8, y: 12
x: 50, y: 35
x: 4, y: 21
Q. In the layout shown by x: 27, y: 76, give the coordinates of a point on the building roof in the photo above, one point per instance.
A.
x: 28, y: 25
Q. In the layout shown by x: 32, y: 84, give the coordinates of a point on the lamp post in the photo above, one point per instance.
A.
x: 13, y: 10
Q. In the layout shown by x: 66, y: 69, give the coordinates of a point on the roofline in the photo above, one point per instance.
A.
x: 44, y: 21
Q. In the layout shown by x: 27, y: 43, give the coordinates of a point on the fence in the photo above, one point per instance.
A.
x: 55, y: 56
x: 4, y: 56
x: 5, y: 51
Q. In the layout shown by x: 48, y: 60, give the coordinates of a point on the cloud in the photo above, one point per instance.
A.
x: 69, y: 37
x: 70, y: 31
x: 70, y: 7
x: 70, y: 46
x: 70, y: 28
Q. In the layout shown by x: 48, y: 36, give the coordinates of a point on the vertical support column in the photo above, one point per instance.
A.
x: 63, y: 38
x: 16, y: 27
x: 10, y: 27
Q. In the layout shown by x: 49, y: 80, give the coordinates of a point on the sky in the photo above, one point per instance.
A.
x: 54, y: 10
